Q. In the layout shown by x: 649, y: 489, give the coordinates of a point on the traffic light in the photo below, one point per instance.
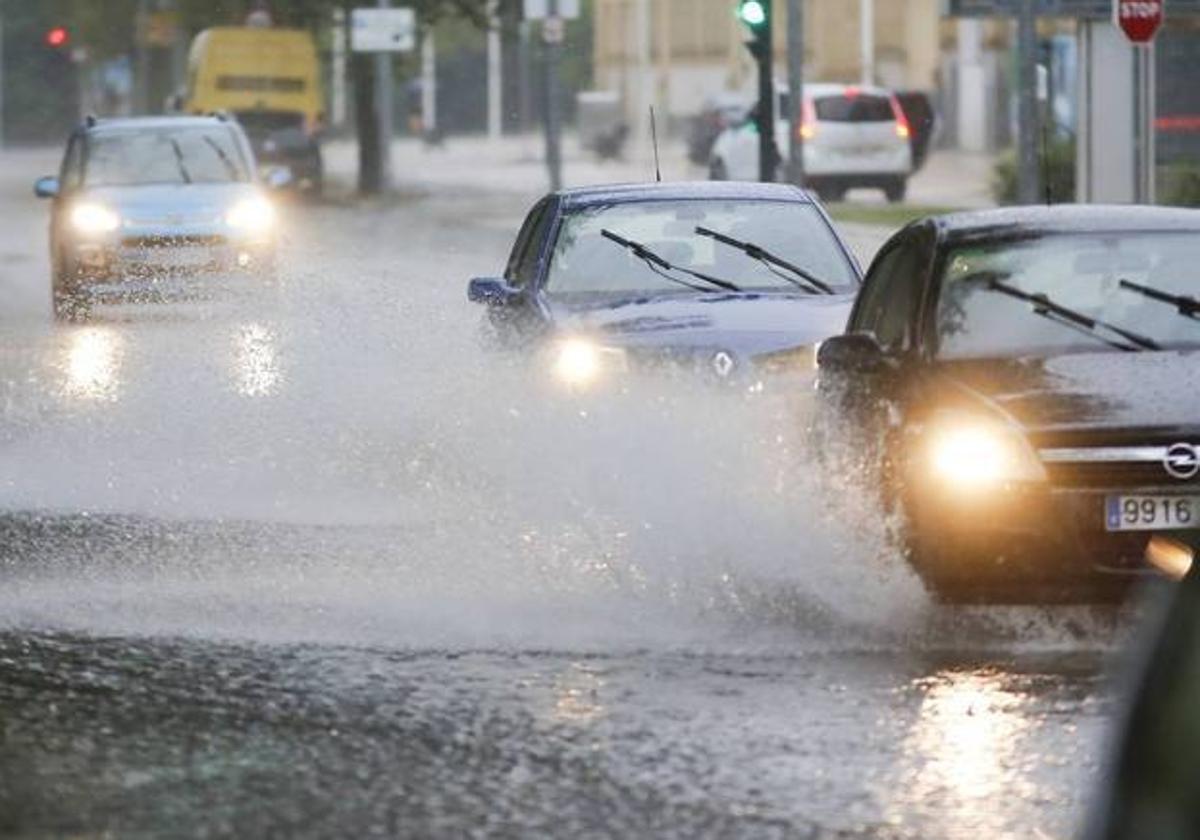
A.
x: 753, y: 13
x: 57, y: 37
x: 756, y: 14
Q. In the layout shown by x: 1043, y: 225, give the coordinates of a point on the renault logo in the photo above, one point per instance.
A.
x: 722, y: 364
x: 1183, y: 461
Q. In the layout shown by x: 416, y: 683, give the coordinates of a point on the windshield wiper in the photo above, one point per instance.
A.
x: 807, y: 281
x: 1047, y: 308
x: 1187, y: 306
x: 183, y: 170
x: 661, y: 265
x: 229, y: 167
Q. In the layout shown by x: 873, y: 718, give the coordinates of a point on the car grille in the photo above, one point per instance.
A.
x: 1112, y: 467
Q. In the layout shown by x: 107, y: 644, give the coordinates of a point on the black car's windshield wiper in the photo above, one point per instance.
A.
x: 1047, y: 308
x: 660, y: 265
x: 183, y: 170
x: 1188, y: 307
x: 803, y: 280
x: 229, y: 165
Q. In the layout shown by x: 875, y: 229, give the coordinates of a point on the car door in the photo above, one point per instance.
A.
x: 874, y: 404
x: 514, y: 324
x: 70, y: 180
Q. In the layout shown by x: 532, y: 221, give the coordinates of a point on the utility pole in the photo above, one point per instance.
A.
x: 553, y: 30
x: 383, y: 111
x: 866, y: 9
x: 141, y: 81
x: 1028, y: 191
x: 795, y: 45
x: 337, y: 96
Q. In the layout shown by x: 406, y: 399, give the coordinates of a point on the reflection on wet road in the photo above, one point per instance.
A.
x: 306, y: 560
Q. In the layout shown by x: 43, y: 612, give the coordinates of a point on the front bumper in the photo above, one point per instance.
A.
x: 152, y: 252
x: 1038, y: 539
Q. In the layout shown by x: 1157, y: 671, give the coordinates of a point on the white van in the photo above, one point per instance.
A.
x: 853, y: 137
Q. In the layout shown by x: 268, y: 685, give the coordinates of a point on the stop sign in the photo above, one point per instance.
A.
x: 1139, y: 19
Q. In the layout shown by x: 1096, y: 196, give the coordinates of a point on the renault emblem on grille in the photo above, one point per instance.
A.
x: 1183, y: 461
x: 722, y: 364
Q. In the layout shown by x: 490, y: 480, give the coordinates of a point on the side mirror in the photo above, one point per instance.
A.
x: 47, y: 187
x: 852, y: 353
x: 493, y: 291
x: 278, y: 177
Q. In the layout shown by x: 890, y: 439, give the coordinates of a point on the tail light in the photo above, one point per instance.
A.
x: 903, y: 129
x: 808, y: 121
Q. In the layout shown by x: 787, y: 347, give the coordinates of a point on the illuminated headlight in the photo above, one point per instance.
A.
x: 94, y: 218
x: 254, y: 215
x: 981, y: 455
x: 578, y: 361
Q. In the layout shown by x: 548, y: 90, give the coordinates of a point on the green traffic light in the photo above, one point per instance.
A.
x: 753, y: 12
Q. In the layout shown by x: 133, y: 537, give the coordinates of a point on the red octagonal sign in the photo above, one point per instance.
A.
x: 1139, y: 19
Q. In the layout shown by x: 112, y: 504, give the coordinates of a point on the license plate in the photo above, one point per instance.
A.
x: 174, y: 257
x: 1152, y: 513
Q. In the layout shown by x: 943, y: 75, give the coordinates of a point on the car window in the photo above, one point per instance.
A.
x: 1111, y: 277
x: 892, y: 294
x: 586, y: 263
x: 164, y: 156
x: 860, y: 108
x: 522, y: 263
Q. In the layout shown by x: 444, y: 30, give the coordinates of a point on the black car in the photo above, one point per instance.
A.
x: 726, y: 279
x: 1024, y: 387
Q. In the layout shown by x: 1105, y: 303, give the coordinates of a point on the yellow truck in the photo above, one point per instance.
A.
x: 270, y: 80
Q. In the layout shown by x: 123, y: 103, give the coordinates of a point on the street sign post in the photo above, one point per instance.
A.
x: 383, y: 30
x: 1140, y: 20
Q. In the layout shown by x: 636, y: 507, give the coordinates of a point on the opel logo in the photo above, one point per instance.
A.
x: 723, y: 364
x: 1183, y: 461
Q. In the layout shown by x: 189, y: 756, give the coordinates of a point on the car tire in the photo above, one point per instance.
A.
x: 896, y: 190
x: 66, y: 296
x: 717, y: 171
x: 830, y: 192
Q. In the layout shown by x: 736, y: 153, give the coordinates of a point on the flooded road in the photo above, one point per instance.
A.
x: 305, y: 559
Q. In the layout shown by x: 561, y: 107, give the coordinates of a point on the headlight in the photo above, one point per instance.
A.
x: 971, y: 455
x: 94, y: 218
x: 255, y: 215
x: 578, y: 361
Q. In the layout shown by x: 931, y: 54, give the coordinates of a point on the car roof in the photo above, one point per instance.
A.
x: 151, y: 123
x: 1064, y: 218
x: 681, y: 191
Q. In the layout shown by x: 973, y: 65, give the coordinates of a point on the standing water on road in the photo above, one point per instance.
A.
x: 306, y: 558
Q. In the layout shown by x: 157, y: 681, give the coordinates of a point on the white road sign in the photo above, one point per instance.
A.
x: 383, y: 30
x: 540, y: 9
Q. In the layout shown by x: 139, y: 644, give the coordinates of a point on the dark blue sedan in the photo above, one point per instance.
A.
x: 728, y: 279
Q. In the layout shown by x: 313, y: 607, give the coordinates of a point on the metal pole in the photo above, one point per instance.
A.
x: 337, y: 96
x: 795, y: 42
x: 768, y: 154
x: 551, y: 117
x: 2, y: 80
x: 142, y: 79
x: 1028, y: 191
x: 429, y: 117
x: 867, y: 40
x: 495, y: 71
x: 383, y: 109
x: 1144, y: 111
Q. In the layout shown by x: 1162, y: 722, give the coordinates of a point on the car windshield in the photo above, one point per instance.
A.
x: 859, y: 108
x: 164, y: 156
x: 587, y: 264
x: 1104, y: 278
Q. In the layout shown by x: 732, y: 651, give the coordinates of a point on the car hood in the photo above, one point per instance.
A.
x: 1102, y: 392
x: 176, y: 203
x: 747, y: 324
